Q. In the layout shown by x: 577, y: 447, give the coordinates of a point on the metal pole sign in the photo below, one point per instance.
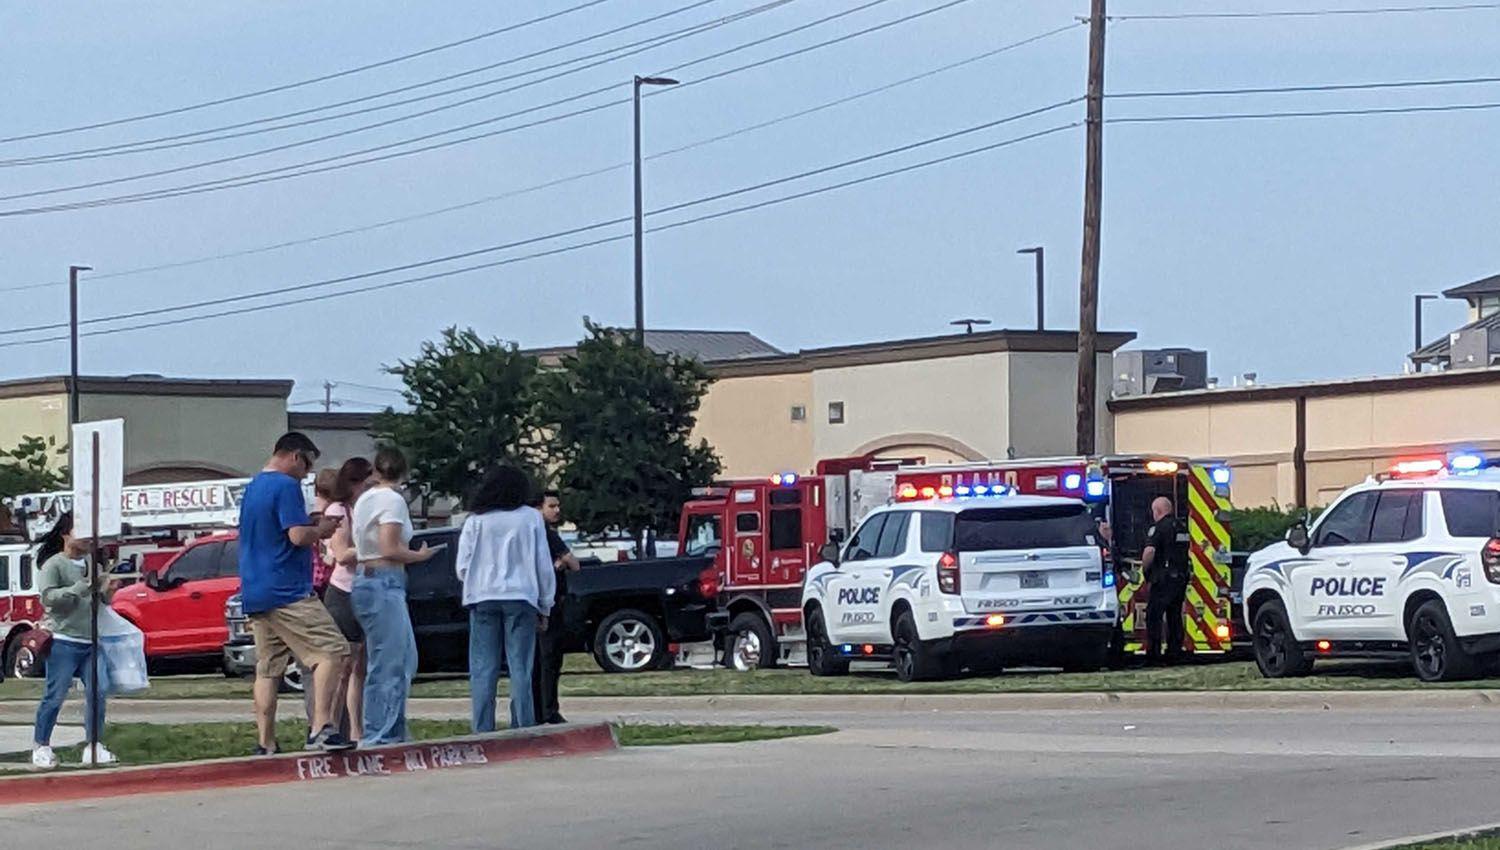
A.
x: 98, y: 478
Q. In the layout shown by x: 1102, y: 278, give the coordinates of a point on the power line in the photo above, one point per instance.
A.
x: 572, y: 177
x: 637, y: 48
x: 564, y: 249
x: 1319, y: 113
x: 1308, y: 13
x: 307, y: 82
x: 370, y: 387
x: 1323, y: 87
x: 230, y: 299
x: 171, y: 142
x: 272, y: 175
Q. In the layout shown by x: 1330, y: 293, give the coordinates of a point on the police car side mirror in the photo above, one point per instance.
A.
x: 830, y: 553
x: 1297, y: 538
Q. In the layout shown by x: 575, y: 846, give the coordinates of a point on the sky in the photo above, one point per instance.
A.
x: 1287, y: 247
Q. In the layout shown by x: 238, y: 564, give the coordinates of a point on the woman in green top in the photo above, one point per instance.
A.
x: 68, y: 598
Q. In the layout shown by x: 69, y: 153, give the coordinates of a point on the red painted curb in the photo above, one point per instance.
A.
x: 444, y: 754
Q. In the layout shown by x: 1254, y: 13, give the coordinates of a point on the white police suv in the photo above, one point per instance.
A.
x: 938, y: 585
x: 1409, y: 563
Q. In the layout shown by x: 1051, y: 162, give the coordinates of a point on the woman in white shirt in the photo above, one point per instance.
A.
x: 505, y: 566
x: 382, y: 531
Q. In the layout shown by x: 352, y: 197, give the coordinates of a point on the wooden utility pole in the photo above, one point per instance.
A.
x: 1088, y: 285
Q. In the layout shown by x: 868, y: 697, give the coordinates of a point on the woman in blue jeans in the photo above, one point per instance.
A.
x: 381, y: 529
x: 68, y: 597
x: 506, y: 568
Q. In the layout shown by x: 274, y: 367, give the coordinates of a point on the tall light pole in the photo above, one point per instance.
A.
x: 1417, y: 321
x: 640, y: 282
x: 73, y: 343
x: 1041, y: 308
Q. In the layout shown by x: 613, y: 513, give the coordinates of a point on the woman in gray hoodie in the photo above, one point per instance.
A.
x: 68, y: 598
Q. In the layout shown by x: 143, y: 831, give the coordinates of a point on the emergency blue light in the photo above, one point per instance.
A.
x: 848, y: 648
x: 981, y: 490
x: 784, y: 479
x: 1072, y: 481
x: 1465, y: 462
x: 1109, y: 577
x: 1220, y: 475
x: 962, y: 490
x: 1095, y: 489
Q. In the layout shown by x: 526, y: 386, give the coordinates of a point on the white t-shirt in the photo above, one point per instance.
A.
x: 378, y: 506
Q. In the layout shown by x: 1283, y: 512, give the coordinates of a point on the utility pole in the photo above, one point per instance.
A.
x: 1088, y: 284
x: 1417, y: 319
x: 1041, y: 277
x: 73, y: 344
x: 327, y: 396
x: 640, y: 215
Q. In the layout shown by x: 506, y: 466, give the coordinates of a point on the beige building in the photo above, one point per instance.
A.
x: 1302, y: 444
x: 957, y: 397
x: 177, y: 429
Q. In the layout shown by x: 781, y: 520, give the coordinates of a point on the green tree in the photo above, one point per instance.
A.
x: 27, y: 468
x: 620, y: 418
x: 471, y: 405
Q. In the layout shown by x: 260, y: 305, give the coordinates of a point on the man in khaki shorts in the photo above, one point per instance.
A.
x: 288, y: 621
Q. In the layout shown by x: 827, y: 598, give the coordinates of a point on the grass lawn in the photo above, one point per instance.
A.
x: 585, y: 679
x: 148, y: 743
x: 1474, y: 841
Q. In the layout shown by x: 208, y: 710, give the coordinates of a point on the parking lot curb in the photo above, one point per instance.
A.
x: 1426, y: 839
x: 426, y: 756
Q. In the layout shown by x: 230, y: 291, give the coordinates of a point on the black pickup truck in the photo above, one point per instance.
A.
x: 625, y: 614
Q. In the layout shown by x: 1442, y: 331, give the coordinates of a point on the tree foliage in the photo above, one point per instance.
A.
x: 620, y: 420
x: 1251, y: 529
x: 471, y: 404
x: 28, y: 468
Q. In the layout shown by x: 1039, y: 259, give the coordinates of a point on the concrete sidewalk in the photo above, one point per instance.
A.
x: 17, y: 738
x: 199, y: 711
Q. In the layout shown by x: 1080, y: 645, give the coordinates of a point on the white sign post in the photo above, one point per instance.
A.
x: 98, y: 479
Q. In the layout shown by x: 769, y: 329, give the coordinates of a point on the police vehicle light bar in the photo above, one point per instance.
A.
x: 1457, y: 463
x: 1423, y: 466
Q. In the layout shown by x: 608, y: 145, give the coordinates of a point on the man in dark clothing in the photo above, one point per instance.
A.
x: 549, y: 648
x: 1162, y: 566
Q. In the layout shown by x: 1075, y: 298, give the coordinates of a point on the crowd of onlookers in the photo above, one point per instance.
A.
x: 327, y: 588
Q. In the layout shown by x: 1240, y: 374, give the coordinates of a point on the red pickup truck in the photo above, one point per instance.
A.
x: 180, y: 605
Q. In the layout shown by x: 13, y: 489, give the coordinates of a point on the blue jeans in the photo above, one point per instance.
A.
x: 390, y: 653
x: 66, y: 661
x: 496, y: 627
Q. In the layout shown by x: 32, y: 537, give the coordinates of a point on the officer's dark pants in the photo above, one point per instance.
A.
x: 1164, y: 630
x: 549, y: 662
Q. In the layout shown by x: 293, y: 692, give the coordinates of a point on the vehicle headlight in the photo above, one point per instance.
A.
x: 234, y: 610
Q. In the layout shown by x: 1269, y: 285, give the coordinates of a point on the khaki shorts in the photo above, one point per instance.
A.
x: 303, y: 630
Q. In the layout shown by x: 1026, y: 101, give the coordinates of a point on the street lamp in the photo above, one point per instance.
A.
x: 640, y: 292
x: 1040, y: 308
x: 73, y: 343
x: 1417, y: 318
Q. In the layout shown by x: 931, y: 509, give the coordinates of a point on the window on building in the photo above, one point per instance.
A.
x: 1489, y: 305
x: 799, y: 413
x: 835, y: 413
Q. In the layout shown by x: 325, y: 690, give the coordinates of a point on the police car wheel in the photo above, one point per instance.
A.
x: 913, y: 661
x: 1277, y: 653
x: 822, y: 659
x: 751, y: 644
x: 1435, y: 652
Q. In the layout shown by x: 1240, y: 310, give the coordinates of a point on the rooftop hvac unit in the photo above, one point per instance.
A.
x: 1160, y: 370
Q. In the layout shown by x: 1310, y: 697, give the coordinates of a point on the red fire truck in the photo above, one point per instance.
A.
x: 766, y: 533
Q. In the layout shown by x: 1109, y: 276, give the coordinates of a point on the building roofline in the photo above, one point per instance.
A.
x: 920, y: 348
x: 331, y: 421
x: 1310, y: 389
x: 147, y: 385
x: 1484, y: 286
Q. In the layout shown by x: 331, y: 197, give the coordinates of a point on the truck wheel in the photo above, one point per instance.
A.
x: 1435, y: 652
x: 629, y: 641
x: 914, y: 661
x: 751, y: 645
x: 822, y: 658
x: 1277, y: 653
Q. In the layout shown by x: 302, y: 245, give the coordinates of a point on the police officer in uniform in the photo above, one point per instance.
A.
x: 549, y: 643
x: 1162, y: 566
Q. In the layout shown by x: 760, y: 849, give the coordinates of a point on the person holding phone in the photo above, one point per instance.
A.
x: 382, y: 531
x: 353, y: 478
x: 507, y: 572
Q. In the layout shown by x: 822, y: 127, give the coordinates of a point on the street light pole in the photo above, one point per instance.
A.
x: 1041, y: 323
x: 640, y: 274
x: 1417, y: 320
x: 73, y: 343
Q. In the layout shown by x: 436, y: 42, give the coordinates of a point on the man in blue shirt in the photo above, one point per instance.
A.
x: 275, y: 552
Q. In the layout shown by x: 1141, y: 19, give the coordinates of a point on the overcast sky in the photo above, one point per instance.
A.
x: 1288, y: 247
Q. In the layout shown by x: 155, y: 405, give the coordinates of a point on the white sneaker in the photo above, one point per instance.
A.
x: 105, y: 756
x: 44, y: 758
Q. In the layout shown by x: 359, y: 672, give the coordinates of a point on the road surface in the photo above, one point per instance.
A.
x: 1164, y: 779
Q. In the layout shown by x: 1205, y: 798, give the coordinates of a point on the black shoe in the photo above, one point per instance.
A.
x: 555, y: 720
x: 262, y: 751
x: 329, y: 740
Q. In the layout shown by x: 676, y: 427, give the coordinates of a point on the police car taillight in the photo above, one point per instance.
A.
x: 947, y: 573
x: 1490, y: 557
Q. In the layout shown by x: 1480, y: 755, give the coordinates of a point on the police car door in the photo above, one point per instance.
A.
x: 1394, y: 532
x: 1333, y: 591
x: 858, y: 591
